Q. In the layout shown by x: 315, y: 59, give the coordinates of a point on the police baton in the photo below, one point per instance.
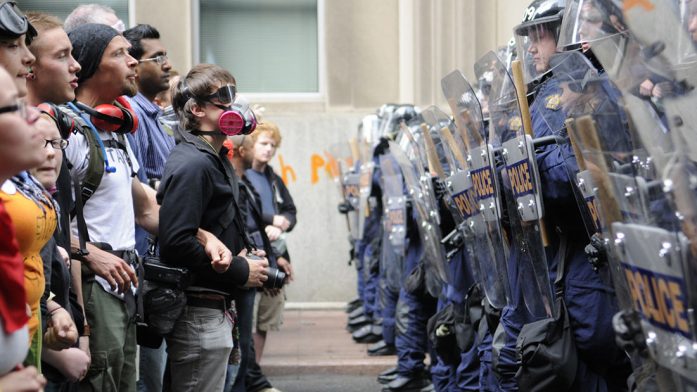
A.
x: 599, y: 171
x: 433, y: 163
x: 521, y: 90
x: 450, y: 141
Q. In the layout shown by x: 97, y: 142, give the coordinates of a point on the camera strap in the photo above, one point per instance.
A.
x: 82, y: 233
x: 237, y: 220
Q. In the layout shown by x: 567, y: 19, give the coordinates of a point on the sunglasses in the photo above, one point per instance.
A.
x: 225, y: 95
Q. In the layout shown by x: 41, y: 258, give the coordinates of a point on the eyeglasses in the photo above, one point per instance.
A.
x: 161, y: 59
x: 57, y: 143
x: 225, y: 95
x: 19, y: 106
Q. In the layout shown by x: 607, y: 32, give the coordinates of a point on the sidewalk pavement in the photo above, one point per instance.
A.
x: 317, y: 342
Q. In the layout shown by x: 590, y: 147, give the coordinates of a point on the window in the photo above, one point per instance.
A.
x: 62, y: 8
x: 271, y: 46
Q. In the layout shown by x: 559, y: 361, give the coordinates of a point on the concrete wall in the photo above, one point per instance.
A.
x: 375, y: 52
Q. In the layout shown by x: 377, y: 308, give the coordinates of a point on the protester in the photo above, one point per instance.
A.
x: 94, y: 13
x: 151, y: 145
x: 107, y: 73
x: 71, y: 362
x: 199, y: 189
x: 20, y: 147
x: 279, y: 215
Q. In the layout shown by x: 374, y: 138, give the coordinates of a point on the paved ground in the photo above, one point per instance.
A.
x: 313, y: 352
x: 324, y: 383
x: 315, y: 342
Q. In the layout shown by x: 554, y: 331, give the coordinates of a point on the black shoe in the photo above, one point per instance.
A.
x: 417, y: 383
x: 359, y: 311
x: 353, y: 305
x: 359, y: 321
x: 368, y: 334
x: 381, y: 348
x: 387, y: 376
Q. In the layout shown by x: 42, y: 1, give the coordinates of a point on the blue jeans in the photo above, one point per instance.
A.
x: 152, y: 368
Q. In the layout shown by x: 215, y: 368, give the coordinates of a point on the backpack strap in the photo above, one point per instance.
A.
x: 95, y: 166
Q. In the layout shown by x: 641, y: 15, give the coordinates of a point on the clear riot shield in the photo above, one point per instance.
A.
x: 342, y: 157
x: 655, y: 249
x: 346, y: 156
x: 439, y: 155
x: 394, y: 222
x: 418, y: 182
x: 520, y: 188
x: 477, y: 165
x: 369, y: 130
x: 460, y: 198
x: 585, y: 93
x: 657, y: 25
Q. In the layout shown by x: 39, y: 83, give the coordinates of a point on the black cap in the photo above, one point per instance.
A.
x: 89, y: 42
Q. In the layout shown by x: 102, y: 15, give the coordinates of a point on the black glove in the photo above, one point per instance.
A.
x: 382, y: 147
x: 440, y: 189
x: 344, y: 207
x: 596, y: 251
x: 628, y: 333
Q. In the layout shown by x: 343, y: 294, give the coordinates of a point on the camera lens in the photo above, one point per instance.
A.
x: 276, y: 278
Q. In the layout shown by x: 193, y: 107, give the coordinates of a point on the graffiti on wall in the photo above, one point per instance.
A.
x: 321, y: 166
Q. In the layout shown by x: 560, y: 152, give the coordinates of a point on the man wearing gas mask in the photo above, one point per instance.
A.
x: 200, y: 189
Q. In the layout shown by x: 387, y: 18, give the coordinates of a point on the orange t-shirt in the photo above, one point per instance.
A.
x: 33, y: 229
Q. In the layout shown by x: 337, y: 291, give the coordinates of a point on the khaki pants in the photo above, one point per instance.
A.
x: 112, y: 342
x: 268, y: 311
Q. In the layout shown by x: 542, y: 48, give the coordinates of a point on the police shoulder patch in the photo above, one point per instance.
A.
x: 553, y: 102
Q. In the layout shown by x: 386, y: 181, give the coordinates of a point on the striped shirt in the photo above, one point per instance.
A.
x: 151, y: 144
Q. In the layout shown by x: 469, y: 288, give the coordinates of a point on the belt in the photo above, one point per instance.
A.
x: 221, y: 304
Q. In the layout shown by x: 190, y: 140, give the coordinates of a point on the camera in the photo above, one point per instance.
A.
x: 276, y: 278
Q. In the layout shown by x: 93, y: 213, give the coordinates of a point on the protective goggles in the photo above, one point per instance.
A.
x: 13, y: 22
x: 225, y: 95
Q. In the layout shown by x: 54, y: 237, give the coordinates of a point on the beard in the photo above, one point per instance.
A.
x: 130, y: 90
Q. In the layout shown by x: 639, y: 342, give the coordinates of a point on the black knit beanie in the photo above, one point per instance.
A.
x: 89, y: 42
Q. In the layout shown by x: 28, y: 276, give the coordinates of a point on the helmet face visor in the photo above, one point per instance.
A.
x: 536, y: 46
x: 587, y: 21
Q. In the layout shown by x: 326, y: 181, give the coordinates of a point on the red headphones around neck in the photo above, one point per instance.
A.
x: 118, y: 118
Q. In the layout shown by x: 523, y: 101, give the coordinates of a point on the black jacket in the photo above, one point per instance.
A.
x: 281, y: 197
x: 251, y: 207
x: 199, y: 189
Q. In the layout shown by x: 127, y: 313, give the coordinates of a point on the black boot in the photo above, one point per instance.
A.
x: 369, y: 333
x: 359, y: 311
x: 414, y: 383
x: 381, y: 348
x: 353, y: 305
x: 387, y: 376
